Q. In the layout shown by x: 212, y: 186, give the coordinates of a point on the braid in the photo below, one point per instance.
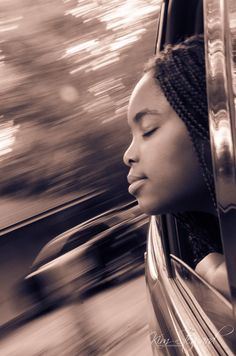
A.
x: 179, y: 107
x: 182, y: 88
x: 180, y: 72
x: 191, y: 93
x: 204, y: 238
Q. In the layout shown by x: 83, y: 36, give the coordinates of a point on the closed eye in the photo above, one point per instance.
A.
x: 149, y: 132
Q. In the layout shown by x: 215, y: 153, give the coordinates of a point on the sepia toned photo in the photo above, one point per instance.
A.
x: 118, y: 177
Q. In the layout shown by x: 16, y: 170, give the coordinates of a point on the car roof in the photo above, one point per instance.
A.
x: 106, y: 220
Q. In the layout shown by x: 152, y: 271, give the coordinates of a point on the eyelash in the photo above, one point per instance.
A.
x: 149, y: 133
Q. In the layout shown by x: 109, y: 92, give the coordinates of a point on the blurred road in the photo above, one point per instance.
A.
x: 113, y: 322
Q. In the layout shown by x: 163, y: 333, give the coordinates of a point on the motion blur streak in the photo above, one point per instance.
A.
x: 67, y: 68
x: 7, y: 137
x: 66, y: 76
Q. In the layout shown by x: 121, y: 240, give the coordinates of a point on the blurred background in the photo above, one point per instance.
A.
x: 67, y: 68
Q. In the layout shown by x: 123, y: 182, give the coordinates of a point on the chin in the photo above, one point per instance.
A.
x: 150, y: 209
x: 157, y: 208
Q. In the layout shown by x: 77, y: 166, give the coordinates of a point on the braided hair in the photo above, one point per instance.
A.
x: 180, y: 72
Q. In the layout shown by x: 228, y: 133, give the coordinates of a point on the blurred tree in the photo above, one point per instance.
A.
x: 66, y: 74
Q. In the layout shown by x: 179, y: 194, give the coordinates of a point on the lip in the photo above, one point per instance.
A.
x: 132, y: 178
x: 135, y: 183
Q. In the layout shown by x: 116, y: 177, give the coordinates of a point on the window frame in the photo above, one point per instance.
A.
x: 168, y: 223
x: 170, y: 243
x: 222, y: 117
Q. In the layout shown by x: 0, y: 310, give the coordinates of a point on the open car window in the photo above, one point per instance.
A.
x: 216, y: 19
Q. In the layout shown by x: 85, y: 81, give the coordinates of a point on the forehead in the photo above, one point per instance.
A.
x: 147, y: 94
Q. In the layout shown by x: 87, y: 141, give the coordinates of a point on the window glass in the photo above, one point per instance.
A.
x: 178, y: 240
x: 212, y: 313
x: 82, y: 236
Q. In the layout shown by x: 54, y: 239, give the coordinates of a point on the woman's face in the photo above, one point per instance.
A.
x: 164, y: 171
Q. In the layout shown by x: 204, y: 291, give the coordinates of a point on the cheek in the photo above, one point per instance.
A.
x: 166, y: 154
x: 181, y: 156
x: 170, y: 163
x: 174, y: 175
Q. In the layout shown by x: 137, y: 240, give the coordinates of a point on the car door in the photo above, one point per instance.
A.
x: 187, y: 315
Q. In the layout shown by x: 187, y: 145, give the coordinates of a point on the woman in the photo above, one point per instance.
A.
x: 169, y: 156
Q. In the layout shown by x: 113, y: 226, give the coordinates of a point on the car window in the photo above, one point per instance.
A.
x: 80, y: 237
x: 67, y: 241
x: 174, y: 249
x: 222, y: 133
x: 126, y: 240
x: 212, y: 313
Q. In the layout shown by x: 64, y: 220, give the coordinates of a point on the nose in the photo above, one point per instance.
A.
x: 130, y: 155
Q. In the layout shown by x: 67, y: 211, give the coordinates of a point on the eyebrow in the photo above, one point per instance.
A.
x: 137, y: 118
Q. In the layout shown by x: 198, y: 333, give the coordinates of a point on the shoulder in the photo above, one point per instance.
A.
x: 212, y: 268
